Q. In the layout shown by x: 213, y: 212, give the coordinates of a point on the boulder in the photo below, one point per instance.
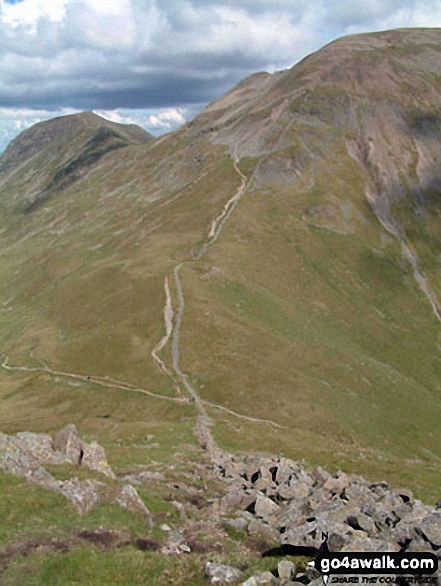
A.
x: 175, y: 544
x: 220, y: 574
x: 129, y: 499
x: 430, y: 530
x: 265, y: 507
x: 337, y: 483
x: 240, y: 524
x: 15, y: 459
x: 82, y: 494
x: 286, y: 570
x: 39, y: 445
x: 266, y: 579
x: 94, y: 457
x: 68, y: 442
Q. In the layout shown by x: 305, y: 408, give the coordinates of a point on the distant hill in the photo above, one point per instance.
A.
x: 305, y: 206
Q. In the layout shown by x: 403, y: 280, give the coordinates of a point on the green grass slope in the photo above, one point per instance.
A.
x: 305, y: 311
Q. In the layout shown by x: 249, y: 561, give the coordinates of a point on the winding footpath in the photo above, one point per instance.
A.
x: 173, y: 323
x: 97, y: 380
x: 173, y: 329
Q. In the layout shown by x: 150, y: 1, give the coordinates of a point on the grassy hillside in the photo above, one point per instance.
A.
x: 304, y: 311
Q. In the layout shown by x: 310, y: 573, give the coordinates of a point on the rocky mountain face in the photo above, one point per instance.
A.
x: 271, y: 267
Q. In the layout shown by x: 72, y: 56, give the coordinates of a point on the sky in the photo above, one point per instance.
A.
x: 157, y: 63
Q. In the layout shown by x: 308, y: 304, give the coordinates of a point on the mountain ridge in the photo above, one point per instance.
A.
x: 314, y: 299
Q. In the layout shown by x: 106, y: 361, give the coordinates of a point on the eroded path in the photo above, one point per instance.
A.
x: 204, y: 421
x: 97, y: 380
x: 172, y: 323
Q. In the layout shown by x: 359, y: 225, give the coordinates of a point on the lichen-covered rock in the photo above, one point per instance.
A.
x: 68, y: 442
x: 221, y: 574
x: 94, y: 457
x: 16, y: 459
x: 40, y: 445
x: 83, y: 494
x: 129, y: 499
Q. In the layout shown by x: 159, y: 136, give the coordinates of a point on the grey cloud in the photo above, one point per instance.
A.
x: 170, y: 52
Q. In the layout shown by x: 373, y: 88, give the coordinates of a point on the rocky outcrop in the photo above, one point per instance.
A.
x: 94, y: 457
x: 84, y: 495
x: 306, y: 508
x: 26, y: 453
x: 68, y: 442
x: 129, y: 499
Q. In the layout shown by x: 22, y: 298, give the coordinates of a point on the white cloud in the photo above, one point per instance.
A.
x: 15, y: 120
x: 158, y: 57
x: 30, y: 11
x: 167, y: 119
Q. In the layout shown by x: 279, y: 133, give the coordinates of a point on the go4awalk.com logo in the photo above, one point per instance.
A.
x: 377, y: 568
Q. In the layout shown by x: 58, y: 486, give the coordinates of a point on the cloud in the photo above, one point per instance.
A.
x: 168, y: 55
x: 156, y: 121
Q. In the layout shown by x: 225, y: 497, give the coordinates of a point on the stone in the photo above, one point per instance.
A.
x: 237, y: 499
x: 39, y: 445
x: 175, y: 544
x: 250, y: 582
x: 298, y: 490
x: 221, y: 574
x: 94, y: 457
x: 338, y: 483
x: 240, y: 524
x: 430, y: 529
x: 286, y: 570
x: 265, y: 507
x: 266, y: 579
x: 262, y: 579
x: 68, y: 442
x: 258, y: 528
x: 148, y: 476
x: 181, y: 510
x: 82, y: 494
x: 129, y: 499
x: 366, y: 544
x: 14, y: 459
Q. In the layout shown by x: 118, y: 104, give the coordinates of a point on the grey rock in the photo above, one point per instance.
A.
x: 94, y: 458
x: 181, y: 510
x: 15, y: 459
x: 365, y: 544
x: 129, y: 499
x: 266, y: 579
x: 259, y: 528
x: 337, y: 483
x: 175, y: 544
x: 39, y: 445
x: 68, y: 443
x: 265, y: 507
x: 240, y: 524
x: 220, y: 574
x: 286, y: 570
x: 430, y: 529
x: 237, y: 499
x: 250, y: 582
x: 83, y: 494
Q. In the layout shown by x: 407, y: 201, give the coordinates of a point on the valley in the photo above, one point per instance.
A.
x: 264, y: 280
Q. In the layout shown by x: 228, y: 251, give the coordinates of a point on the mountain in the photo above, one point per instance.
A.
x: 51, y: 155
x: 276, y: 260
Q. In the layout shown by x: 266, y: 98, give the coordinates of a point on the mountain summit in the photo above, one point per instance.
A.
x: 272, y: 268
